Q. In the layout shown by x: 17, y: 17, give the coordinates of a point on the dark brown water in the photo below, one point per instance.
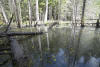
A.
x: 60, y: 47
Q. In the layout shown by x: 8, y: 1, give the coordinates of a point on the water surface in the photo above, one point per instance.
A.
x: 60, y: 47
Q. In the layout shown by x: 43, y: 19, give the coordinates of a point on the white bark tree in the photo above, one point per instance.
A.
x: 74, y: 11
x: 3, y: 13
x: 30, y: 12
x: 37, y: 11
x: 11, y: 6
x: 18, y: 12
x: 46, y: 12
x: 59, y: 10
x: 50, y: 12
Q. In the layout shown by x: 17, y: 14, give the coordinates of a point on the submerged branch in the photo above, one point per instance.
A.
x: 20, y: 34
x: 3, y: 49
x: 5, y: 53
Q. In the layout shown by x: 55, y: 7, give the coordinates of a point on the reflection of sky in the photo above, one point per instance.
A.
x: 60, y: 61
x: 92, y: 62
x: 88, y: 39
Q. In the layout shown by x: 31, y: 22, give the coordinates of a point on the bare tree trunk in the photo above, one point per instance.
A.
x: 50, y: 13
x: 18, y: 13
x: 59, y: 10
x: 83, y: 11
x: 30, y: 12
x: 9, y: 24
x: 37, y: 11
x: 46, y: 12
x: 55, y: 13
x: 3, y: 13
x: 74, y: 11
x: 11, y: 6
x: 76, y: 5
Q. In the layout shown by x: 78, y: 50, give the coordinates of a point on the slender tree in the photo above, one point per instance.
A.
x: 11, y: 5
x: 37, y: 11
x: 50, y: 12
x: 30, y: 12
x: 18, y: 13
x: 59, y: 10
x: 3, y: 13
x: 74, y: 11
x: 46, y: 12
x: 83, y: 12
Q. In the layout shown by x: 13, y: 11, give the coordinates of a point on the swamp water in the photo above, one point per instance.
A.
x: 60, y: 47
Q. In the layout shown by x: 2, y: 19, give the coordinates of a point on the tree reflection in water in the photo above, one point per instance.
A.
x: 59, y: 49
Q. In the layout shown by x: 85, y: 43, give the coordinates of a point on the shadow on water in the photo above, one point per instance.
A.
x: 60, y: 48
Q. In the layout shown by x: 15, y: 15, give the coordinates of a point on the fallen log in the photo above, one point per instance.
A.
x: 5, y: 53
x: 53, y: 24
x: 20, y: 33
x: 3, y: 49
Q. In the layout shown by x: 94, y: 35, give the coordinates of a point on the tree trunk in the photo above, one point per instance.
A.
x: 97, y: 24
x: 55, y: 13
x: 46, y: 12
x: 74, y: 11
x: 9, y: 24
x: 83, y: 11
x: 50, y: 12
x: 37, y: 11
x: 11, y: 6
x: 30, y: 12
x: 18, y: 13
x: 59, y: 10
x: 3, y: 13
